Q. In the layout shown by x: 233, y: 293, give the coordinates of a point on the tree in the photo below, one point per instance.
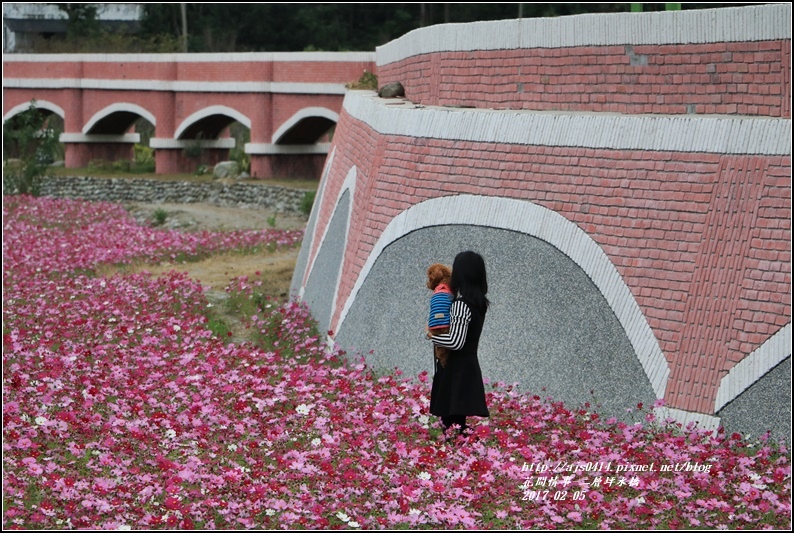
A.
x: 82, y: 20
x: 295, y: 27
x: 29, y: 146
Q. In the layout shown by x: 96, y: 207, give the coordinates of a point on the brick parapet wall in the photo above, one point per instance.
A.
x: 297, y: 67
x: 701, y: 239
x: 266, y: 92
x: 629, y: 63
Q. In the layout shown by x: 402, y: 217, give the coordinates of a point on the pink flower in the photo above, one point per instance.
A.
x: 233, y: 449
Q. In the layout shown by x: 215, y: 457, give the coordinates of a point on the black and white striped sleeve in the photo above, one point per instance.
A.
x: 459, y: 319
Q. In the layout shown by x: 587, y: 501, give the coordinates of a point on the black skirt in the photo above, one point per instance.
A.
x: 457, y: 388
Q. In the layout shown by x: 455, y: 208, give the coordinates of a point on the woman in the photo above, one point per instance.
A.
x: 458, y: 390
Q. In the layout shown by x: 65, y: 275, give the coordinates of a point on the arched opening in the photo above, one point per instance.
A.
x: 115, y: 123
x: 308, y: 126
x: 214, y: 135
x: 310, y: 130
x: 299, y: 146
x: 210, y: 123
x: 33, y: 131
x: 112, y: 139
x: 31, y: 142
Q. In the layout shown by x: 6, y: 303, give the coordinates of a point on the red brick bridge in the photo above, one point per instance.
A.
x: 627, y: 178
x: 289, y: 101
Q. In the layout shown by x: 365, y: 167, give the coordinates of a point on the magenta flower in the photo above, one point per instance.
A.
x: 122, y: 410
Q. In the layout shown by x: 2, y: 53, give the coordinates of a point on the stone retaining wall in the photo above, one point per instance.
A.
x: 281, y: 199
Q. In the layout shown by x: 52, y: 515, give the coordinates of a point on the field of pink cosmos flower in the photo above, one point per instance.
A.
x: 122, y: 410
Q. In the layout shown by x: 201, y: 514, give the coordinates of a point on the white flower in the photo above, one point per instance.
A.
x: 424, y: 475
x: 177, y: 327
x: 316, y: 442
x: 124, y: 527
x: 424, y: 419
x: 353, y: 523
x: 270, y: 512
x: 303, y: 409
x: 170, y: 434
x: 414, y: 512
x: 342, y: 516
x: 40, y: 420
x: 232, y: 447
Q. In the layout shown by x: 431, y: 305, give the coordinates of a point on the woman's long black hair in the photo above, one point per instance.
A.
x: 469, y: 280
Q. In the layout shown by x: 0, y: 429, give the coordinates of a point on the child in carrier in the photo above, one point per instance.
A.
x: 438, y: 278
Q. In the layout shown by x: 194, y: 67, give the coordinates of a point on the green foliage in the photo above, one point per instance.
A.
x: 82, y: 20
x: 144, y: 158
x: 100, y: 165
x: 122, y: 165
x: 242, y: 135
x: 305, y: 26
x: 160, y: 216
x: 143, y: 162
x: 291, y: 27
x: 29, y: 146
x: 307, y: 202
x: 219, y: 328
x: 367, y: 81
x: 194, y: 150
x: 103, y: 42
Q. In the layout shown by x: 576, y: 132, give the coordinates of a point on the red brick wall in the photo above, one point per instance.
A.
x: 743, y: 78
x: 673, y: 225
x: 267, y: 108
x: 319, y: 71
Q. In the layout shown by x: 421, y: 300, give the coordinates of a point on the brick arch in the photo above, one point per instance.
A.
x: 38, y: 104
x: 549, y: 226
x: 299, y: 276
x: 349, y: 185
x: 753, y: 367
x: 308, y: 120
x: 324, y: 275
x: 123, y: 109
x: 208, y: 113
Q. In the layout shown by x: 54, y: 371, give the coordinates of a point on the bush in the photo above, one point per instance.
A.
x: 241, y: 135
x: 122, y: 165
x: 367, y: 81
x: 104, y: 42
x: 29, y: 146
x: 144, y: 158
x: 308, y: 202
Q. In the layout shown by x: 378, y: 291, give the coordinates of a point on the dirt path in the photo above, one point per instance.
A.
x: 275, y: 268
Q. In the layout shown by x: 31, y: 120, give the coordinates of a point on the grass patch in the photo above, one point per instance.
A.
x: 219, y: 328
x: 160, y: 216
